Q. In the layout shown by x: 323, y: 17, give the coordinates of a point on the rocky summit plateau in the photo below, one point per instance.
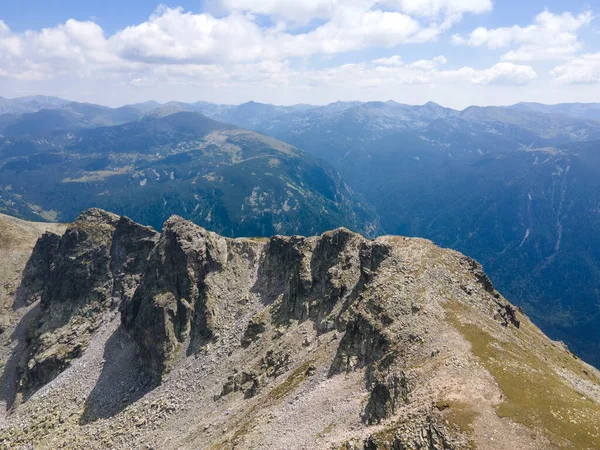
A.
x: 121, y: 337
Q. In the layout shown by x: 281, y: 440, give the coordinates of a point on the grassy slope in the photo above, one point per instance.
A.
x: 538, y: 378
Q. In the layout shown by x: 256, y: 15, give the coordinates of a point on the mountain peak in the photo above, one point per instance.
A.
x: 97, y: 215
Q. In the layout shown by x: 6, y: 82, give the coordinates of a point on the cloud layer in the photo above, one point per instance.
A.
x: 549, y: 37
x: 244, y: 43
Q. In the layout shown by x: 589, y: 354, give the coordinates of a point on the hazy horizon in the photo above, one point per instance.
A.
x: 289, y: 104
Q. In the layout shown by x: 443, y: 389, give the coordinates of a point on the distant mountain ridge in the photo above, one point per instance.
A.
x: 580, y: 110
x: 260, y: 116
x: 230, y: 179
x: 30, y: 104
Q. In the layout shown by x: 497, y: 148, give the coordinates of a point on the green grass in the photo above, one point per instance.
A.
x: 534, y: 394
x: 328, y: 429
x: 290, y: 383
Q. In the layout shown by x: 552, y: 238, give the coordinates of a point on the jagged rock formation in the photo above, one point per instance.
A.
x: 78, y: 278
x: 38, y: 269
x: 193, y: 340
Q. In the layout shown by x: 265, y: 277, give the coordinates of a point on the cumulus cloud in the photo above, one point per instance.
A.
x: 428, y: 64
x: 502, y: 73
x: 585, y: 69
x: 238, y: 49
x: 296, y: 11
x: 395, y: 60
x: 173, y: 36
x: 549, y: 37
x: 10, y: 45
x: 436, y: 7
x: 307, y: 10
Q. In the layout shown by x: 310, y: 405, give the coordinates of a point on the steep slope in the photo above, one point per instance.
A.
x: 232, y: 180
x: 17, y: 239
x: 505, y: 185
x: 332, y: 342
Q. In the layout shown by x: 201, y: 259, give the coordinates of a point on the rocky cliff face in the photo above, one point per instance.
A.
x: 191, y: 340
x: 78, y: 278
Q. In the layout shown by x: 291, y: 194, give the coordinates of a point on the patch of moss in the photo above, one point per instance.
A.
x: 461, y: 416
x: 291, y: 382
x: 385, y: 436
x: 244, y: 428
x: 328, y: 429
x: 534, y: 394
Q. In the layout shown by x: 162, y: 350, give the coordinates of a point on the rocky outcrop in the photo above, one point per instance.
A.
x: 131, y: 246
x: 330, y: 341
x: 38, y: 269
x: 425, y: 436
x: 387, y: 395
x: 364, y: 343
x: 173, y: 304
x: 77, y: 279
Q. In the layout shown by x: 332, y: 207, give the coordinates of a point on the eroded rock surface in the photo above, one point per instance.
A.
x: 77, y: 279
x: 331, y: 341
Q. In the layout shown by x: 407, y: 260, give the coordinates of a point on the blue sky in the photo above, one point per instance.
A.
x: 454, y: 52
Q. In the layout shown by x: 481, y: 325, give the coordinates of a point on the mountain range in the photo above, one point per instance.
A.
x: 235, y: 181
x: 515, y: 187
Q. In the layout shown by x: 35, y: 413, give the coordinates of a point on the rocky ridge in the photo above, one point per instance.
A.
x: 187, y: 339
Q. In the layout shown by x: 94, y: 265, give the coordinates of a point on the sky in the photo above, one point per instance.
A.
x: 453, y: 52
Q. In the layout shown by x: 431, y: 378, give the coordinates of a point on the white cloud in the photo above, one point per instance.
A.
x: 172, y: 36
x: 10, y: 45
x: 429, y: 64
x: 175, y: 46
x: 393, y: 72
x: 80, y: 41
x: 585, y: 69
x: 354, y: 30
x: 394, y: 69
x: 351, y: 78
x: 395, y: 60
x: 549, y: 37
x: 443, y: 13
x: 303, y: 11
x: 38, y: 55
x: 238, y: 51
x: 502, y: 73
x: 296, y: 11
x: 435, y: 7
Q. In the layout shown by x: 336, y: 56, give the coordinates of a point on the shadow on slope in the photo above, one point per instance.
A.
x: 121, y: 383
x: 17, y: 360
